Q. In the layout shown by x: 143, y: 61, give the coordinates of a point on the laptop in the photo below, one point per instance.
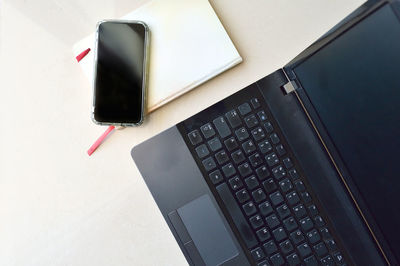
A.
x: 299, y: 168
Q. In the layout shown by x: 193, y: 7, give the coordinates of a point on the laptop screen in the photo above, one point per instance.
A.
x: 354, y: 85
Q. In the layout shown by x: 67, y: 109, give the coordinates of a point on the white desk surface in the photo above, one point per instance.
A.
x: 57, y: 205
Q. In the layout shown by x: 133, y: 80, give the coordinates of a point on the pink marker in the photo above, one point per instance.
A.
x: 100, y: 140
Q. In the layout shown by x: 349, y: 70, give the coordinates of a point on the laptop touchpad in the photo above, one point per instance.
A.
x: 207, y: 230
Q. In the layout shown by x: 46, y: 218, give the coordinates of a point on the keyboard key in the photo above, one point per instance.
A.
x: 238, y: 156
x: 262, y: 116
x: 215, y: 144
x: 306, y: 197
x: 258, y: 254
x: 299, y: 185
x: 327, y: 261
x: 242, y: 134
x: 222, y: 127
x: 272, y: 221
x: 233, y: 118
x: 279, y: 234
x: 338, y: 258
x: 311, y: 261
x: 265, y: 208
x: 242, y: 195
x: 270, y: 247
x: 276, y: 198
x: 263, y: 263
x: 320, y: 249
x: 272, y: 159
x: 248, y: 147
x: 195, y: 137
x: 325, y: 233
x: 251, y: 121
x: 283, y: 211
x: 290, y: 224
x: 287, y: 163
x: 274, y: 138
x: 280, y: 150
x: 297, y: 237
x: 202, y: 151
x: 286, y: 247
x: 251, y: 182
x: 306, y: 224
x: 268, y: 127
x: 331, y: 244
x: 256, y: 221
x: 265, y: 146
x: 209, y: 164
x: 299, y: 211
x: 207, y: 130
x: 293, y: 174
x: 304, y: 250
x: 221, y: 157
x: 293, y: 259
x: 228, y: 170
x: 313, y: 236
x: 262, y: 172
x: 277, y: 260
x: 258, y: 195
x: 319, y: 221
x: 313, y: 210
x: 235, y: 183
x: 279, y: 172
x: 249, y: 208
x: 231, y: 144
x: 285, y: 185
x: 292, y: 198
x: 258, y: 134
x: 255, y: 103
x: 269, y: 185
x: 263, y: 234
x: 237, y: 216
x: 244, y: 169
x: 255, y: 160
x: 244, y: 109
x: 216, y: 177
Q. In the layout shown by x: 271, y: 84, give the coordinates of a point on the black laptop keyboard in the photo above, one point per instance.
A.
x: 245, y: 158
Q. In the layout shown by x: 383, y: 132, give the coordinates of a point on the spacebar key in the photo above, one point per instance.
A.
x: 237, y: 216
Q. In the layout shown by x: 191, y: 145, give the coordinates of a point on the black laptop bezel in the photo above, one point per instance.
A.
x: 357, y: 16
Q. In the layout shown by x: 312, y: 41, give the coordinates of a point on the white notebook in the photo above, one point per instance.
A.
x: 188, y: 46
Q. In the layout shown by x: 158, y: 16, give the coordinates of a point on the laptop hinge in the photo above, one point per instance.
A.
x: 290, y: 86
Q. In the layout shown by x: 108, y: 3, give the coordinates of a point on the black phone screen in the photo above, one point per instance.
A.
x: 118, y: 86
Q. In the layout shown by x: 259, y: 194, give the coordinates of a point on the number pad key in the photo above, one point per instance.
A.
x: 207, y: 130
x: 251, y: 121
x: 231, y: 144
x: 249, y: 208
x: 235, y: 183
x: 258, y: 134
x: 248, y: 147
x: 262, y: 172
x: 238, y: 156
x: 255, y: 160
x: 233, y: 118
x: 221, y: 157
x: 242, y: 134
x: 195, y: 137
x: 265, y: 146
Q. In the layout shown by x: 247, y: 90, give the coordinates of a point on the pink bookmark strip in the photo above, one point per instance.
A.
x: 100, y: 140
x: 80, y: 56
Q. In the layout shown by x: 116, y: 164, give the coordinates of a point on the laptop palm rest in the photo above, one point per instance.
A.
x: 203, y: 232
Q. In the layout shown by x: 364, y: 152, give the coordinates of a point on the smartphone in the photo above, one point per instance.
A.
x: 120, y: 72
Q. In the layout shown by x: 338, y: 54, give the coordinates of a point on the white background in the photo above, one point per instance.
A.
x: 57, y: 205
